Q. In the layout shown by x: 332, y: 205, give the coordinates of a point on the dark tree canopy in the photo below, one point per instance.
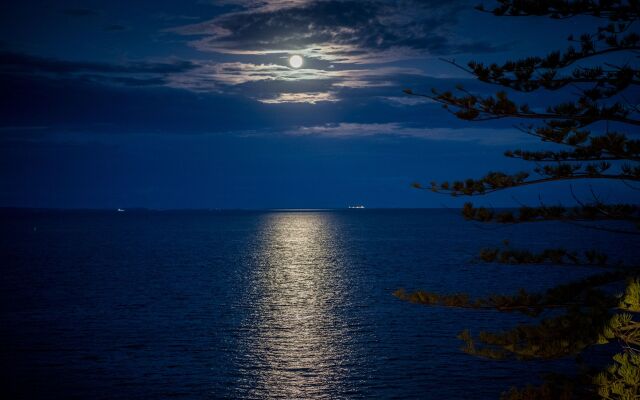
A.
x: 583, y: 313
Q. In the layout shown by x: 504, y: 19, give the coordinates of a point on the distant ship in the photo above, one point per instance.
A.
x: 358, y: 206
x: 120, y: 210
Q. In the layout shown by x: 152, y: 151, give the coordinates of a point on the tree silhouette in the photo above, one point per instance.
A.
x: 585, y: 313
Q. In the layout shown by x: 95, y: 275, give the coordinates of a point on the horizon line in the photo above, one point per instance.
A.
x: 148, y: 209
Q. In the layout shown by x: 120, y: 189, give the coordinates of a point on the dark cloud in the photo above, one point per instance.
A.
x: 86, y: 106
x: 338, y: 30
x: 340, y: 41
x: 131, y: 74
x: 116, y: 28
x: 203, y: 76
x: 80, y: 12
x: 20, y: 62
x: 127, y: 80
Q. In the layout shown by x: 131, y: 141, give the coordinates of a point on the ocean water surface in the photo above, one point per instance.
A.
x: 260, y: 304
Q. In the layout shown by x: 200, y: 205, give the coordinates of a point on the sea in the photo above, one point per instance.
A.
x: 271, y: 304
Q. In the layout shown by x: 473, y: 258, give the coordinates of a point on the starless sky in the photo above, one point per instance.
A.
x: 193, y: 104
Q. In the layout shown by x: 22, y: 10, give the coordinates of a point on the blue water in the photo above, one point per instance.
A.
x: 259, y: 304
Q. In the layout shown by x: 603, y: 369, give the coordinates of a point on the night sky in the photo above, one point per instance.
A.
x: 193, y: 104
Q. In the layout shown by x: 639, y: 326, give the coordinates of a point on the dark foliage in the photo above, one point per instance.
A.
x: 586, y: 312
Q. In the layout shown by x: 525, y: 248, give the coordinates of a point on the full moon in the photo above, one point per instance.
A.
x: 295, y: 61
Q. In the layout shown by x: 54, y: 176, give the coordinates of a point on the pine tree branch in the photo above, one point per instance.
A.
x: 616, y: 80
x: 583, y: 213
x: 551, y: 257
x: 581, y: 154
x: 495, y: 303
x: 531, y: 304
x: 610, y: 146
x: 494, y: 182
x: 475, y: 108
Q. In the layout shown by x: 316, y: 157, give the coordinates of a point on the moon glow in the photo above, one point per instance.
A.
x: 295, y: 61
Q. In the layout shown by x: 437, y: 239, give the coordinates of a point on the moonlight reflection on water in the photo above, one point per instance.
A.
x: 297, y: 344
